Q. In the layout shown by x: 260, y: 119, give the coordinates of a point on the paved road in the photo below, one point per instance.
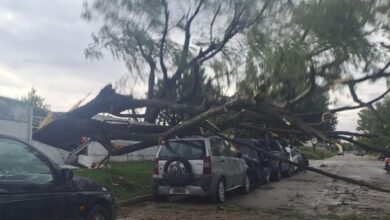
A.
x: 304, y: 196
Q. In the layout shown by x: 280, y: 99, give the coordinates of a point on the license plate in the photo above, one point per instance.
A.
x: 178, y: 191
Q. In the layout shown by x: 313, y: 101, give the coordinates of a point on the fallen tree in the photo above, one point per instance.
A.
x: 280, y: 86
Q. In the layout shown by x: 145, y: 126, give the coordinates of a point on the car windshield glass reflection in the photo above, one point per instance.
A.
x: 19, y: 164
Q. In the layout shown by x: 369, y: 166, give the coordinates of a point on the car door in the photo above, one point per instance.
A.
x: 220, y: 161
x: 237, y: 165
x: 28, y: 189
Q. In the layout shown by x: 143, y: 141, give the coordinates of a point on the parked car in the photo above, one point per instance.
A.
x: 279, y: 168
x: 199, y: 166
x: 259, y: 166
x: 33, y: 187
x: 360, y: 152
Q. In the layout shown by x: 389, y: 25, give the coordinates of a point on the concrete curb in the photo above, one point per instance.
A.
x: 135, y: 200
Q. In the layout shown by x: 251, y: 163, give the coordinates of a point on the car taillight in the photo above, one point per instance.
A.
x: 155, y: 168
x: 207, y: 165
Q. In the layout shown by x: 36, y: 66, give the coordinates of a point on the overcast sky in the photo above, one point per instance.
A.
x: 42, y: 45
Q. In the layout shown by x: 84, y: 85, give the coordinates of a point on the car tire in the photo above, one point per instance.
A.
x: 277, y: 174
x: 290, y: 171
x: 246, y: 187
x: 98, y: 212
x: 220, y: 192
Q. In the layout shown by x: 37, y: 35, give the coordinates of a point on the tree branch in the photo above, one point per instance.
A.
x: 297, y: 132
x: 212, y: 22
x: 309, y: 91
x: 163, y: 40
x: 109, y: 101
x: 186, y: 45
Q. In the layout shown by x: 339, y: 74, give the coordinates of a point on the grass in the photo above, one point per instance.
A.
x: 318, y: 154
x: 126, y: 179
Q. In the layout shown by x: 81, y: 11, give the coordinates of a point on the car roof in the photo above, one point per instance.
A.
x: 2, y: 135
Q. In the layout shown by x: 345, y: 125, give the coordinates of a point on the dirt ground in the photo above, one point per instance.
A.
x: 304, y: 196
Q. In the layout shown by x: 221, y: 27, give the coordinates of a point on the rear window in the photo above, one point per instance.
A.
x: 191, y: 150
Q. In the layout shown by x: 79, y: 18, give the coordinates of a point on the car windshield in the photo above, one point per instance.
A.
x: 188, y: 149
x: 20, y: 164
x: 273, y: 145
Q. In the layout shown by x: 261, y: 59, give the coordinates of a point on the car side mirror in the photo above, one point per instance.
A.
x: 66, y: 174
x: 239, y: 155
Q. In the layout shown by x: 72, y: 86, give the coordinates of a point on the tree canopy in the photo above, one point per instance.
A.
x: 267, y: 66
x: 259, y: 66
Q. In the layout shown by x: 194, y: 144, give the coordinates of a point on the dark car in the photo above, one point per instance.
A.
x: 259, y: 166
x: 279, y: 168
x: 34, y: 187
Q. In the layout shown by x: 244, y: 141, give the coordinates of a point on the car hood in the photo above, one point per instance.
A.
x: 84, y: 184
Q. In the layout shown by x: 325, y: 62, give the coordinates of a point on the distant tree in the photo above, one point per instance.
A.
x: 369, y: 123
x: 35, y: 100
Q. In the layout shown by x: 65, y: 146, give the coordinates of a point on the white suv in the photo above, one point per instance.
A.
x: 199, y: 166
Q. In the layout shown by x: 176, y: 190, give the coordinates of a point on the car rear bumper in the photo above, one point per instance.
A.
x: 201, y: 186
x: 187, y: 190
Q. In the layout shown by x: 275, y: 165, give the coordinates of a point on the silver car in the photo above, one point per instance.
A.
x: 199, y: 166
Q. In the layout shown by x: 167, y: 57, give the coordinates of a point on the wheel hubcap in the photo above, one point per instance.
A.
x: 221, y: 192
x: 99, y: 217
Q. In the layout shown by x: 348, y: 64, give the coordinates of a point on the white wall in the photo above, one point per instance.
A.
x: 99, y: 152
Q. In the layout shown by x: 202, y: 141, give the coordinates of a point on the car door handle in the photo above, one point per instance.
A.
x: 222, y: 160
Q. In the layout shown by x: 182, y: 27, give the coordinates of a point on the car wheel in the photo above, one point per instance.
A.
x: 220, y: 194
x: 98, y: 212
x: 277, y: 175
x: 290, y: 171
x: 246, y: 188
